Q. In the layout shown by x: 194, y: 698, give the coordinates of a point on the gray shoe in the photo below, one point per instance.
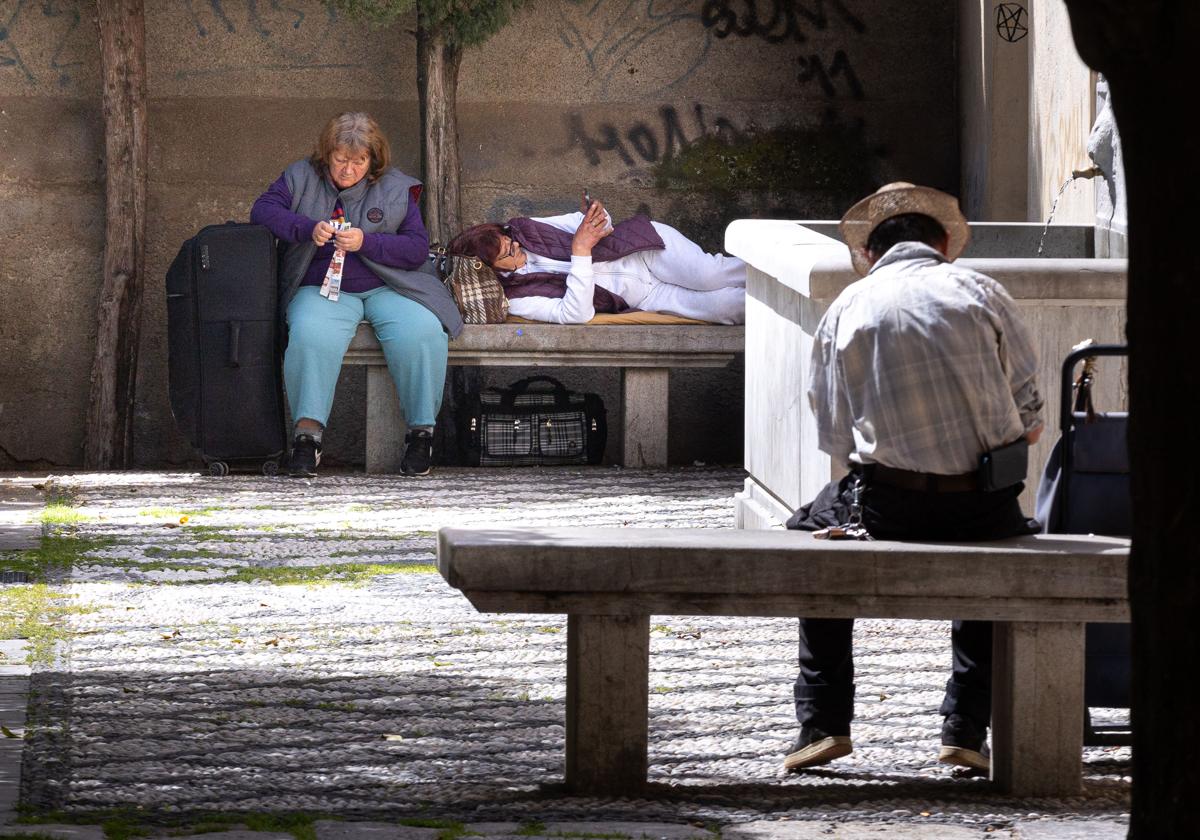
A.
x: 814, y: 747
x: 964, y: 744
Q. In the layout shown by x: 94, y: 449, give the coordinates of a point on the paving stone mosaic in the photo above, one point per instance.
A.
x: 255, y: 644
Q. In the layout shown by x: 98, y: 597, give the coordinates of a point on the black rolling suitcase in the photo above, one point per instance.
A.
x: 1085, y: 490
x: 225, y: 347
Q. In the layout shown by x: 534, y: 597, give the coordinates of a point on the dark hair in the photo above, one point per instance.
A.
x: 481, y: 241
x: 907, y: 227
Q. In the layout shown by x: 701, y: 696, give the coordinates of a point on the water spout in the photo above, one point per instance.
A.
x: 1093, y: 171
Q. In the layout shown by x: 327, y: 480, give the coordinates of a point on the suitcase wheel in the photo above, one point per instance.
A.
x: 270, y: 468
x: 218, y: 468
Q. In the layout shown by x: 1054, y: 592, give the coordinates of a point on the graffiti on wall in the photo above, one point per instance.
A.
x: 64, y: 19
x: 774, y: 21
x: 641, y: 142
x: 612, y: 36
x: 293, y: 35
x: 1012, y: 22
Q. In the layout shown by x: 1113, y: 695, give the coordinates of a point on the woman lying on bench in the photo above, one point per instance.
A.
x: 565, y: 269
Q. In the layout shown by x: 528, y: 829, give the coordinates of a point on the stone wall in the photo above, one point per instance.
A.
x: 696, y: 111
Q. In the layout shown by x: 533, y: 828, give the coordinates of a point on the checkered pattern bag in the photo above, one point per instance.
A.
x: 535, y: 422
x: 475, y: 287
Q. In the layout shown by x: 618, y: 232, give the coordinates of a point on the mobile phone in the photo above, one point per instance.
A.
x: 587, y: 199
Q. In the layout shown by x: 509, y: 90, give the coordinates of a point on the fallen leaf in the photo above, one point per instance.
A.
x: 264, y: 605
x: 272, y: 643
x: 8, y: 733
x: 183, y: 520
x: 883, y: 696
x: 170, y: 524
x: 237, y: 642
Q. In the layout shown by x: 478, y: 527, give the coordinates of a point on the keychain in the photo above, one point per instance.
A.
x: 852, y: 529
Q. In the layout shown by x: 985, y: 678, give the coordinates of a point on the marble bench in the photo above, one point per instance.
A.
x: 1040, y: 590
x: 644, y: 353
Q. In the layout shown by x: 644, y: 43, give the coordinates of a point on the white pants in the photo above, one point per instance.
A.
x: 692, y: 283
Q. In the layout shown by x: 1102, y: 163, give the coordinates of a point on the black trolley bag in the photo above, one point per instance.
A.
x: 523, y: 425
x: 225, y: 347
x: 1085, y: 490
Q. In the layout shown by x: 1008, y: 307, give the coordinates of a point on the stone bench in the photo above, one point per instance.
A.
x: 1040, y: 590
x: 644, y: 353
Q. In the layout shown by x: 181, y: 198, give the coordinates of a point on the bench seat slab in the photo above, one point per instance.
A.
x: 608, y: 673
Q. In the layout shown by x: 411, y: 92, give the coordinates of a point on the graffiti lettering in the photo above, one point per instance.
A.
x: 643, y: 140
x: 775, y: 21
x: 613, y: 37
x: 811, y: 67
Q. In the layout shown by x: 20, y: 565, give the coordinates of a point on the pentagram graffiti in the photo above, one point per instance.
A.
x: 1011, y: 21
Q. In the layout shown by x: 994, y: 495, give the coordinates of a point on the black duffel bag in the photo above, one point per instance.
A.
x: 523, y: 425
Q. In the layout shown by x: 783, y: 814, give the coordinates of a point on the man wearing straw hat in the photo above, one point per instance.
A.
x: 923, y: 387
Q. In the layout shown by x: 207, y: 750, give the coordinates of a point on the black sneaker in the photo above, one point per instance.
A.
x: 964, y: 743
x: 306, y: 454
x: 813, y: 747
x: 418, y: 452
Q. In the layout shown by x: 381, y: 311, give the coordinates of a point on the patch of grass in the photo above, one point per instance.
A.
x: 55, y: 554
x: 300, y: 825
x: 125, y: 823
x: 60, y: 514
x: 124, y: 828
x: 325, y: 573
x: 531, y: 829
x: 450, y: 830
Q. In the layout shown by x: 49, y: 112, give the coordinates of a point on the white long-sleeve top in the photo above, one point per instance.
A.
x: 627, y: 277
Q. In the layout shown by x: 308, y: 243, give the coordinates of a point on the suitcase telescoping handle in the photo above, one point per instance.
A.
x: 562, y: 397
x: 1066, y: 417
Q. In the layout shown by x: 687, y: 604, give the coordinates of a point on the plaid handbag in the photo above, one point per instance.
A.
x: 524, y: 425
x: 475, y: 287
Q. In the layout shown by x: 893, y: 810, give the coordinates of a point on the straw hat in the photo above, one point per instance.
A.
x: 896, y: 199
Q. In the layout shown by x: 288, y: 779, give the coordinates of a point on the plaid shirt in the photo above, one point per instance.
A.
x: 922, y: 366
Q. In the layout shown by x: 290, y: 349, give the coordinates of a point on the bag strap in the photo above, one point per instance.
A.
x: 562, y: 397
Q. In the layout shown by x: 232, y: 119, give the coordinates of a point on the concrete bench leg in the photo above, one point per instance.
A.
x: 1037, y: 708
x: 644, y: 404
x: 385, y: 422
x: 608, y: 674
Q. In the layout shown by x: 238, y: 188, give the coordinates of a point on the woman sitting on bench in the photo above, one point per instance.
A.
x: 565, y: 269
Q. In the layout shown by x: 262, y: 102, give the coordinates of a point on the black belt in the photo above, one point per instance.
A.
x: 922, y: 482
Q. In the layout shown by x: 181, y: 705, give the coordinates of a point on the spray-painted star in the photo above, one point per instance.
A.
x: 1010, y: 21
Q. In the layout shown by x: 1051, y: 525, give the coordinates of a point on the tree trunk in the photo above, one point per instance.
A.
x: 1145, y: 49
x: 114, y: 367
x: 437, y: 89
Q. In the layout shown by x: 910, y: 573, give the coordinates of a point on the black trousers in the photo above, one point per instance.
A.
x: 824, y: 690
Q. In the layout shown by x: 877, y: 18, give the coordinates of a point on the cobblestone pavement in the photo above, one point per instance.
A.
x: 254, y: 644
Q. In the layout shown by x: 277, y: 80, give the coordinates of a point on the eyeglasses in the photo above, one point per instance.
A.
x: 510, y: 251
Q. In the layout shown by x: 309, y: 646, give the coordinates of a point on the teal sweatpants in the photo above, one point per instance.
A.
x: 319, y: 331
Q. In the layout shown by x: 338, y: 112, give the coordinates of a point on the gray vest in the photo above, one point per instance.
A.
x: 385, y: 200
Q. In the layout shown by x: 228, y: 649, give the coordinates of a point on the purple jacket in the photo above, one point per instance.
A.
x: 630, y: 236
